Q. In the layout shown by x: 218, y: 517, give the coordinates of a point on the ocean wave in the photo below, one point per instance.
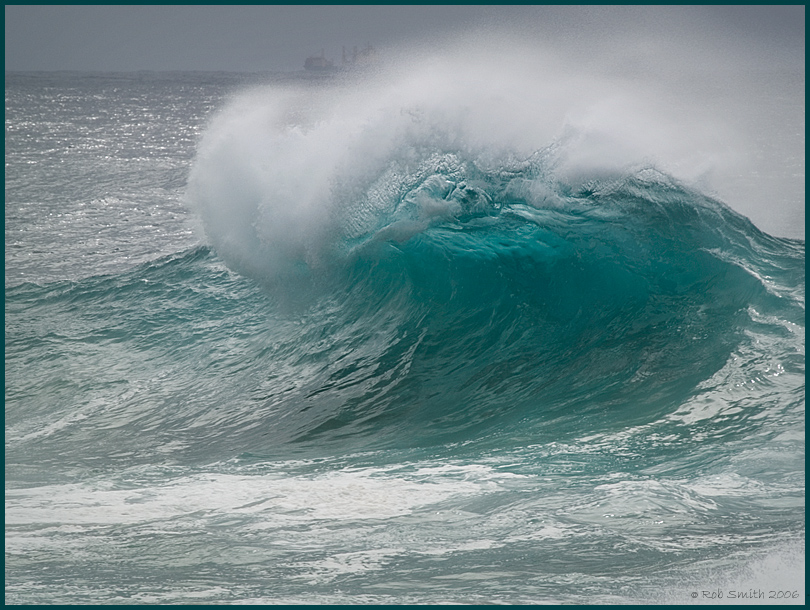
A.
x: 445, y: 297
x: 393, y: 278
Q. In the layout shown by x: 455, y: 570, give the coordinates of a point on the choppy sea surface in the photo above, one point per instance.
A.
x: 271, y: 342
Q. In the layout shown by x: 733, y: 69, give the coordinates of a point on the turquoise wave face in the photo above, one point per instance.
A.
x: 608, y: 310
x: 488, y: 318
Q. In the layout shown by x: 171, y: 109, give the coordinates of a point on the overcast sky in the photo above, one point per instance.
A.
x: 278, y: 38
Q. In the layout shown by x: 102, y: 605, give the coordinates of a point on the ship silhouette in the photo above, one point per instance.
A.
x: 355, y: 58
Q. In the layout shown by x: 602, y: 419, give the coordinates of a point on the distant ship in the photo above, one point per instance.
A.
x: 318, y: 63
x: 357, y: 58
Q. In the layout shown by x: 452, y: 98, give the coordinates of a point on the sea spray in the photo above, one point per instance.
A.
x: 283, y: 173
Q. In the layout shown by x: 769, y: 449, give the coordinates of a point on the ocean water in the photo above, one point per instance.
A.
x: 280, y: 339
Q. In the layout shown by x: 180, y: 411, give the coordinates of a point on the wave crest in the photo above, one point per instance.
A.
x: 286, y: 175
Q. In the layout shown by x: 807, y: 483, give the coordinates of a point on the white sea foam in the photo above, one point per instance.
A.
x: 354, y: 494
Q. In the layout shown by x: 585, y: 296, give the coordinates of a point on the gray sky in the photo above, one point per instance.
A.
x: 278, y: 38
